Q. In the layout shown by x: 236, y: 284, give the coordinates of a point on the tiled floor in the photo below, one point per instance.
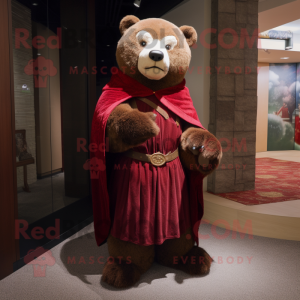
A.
x: 47, y: 196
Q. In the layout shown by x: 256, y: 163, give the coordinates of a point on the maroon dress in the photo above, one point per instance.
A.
x: 152, y: 202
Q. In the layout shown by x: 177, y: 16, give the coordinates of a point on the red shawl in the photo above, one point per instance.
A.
x: 120, y: 88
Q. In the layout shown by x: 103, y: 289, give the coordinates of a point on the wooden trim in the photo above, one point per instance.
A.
x: 8, y: 182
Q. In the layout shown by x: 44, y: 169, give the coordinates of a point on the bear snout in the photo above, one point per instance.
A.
x: 156, y: 55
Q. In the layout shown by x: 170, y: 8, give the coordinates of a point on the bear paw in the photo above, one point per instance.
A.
x: 120, y: 275
x: 136, y: 127
x: 196, y: 262
x: 204, y: 146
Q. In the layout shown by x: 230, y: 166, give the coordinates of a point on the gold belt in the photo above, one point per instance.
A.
x: 157, y: 159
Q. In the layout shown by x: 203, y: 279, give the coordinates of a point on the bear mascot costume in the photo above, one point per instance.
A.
x: 147, y: 182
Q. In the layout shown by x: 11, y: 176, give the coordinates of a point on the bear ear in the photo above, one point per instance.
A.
x: 127, y: 22
x: 190, y: 34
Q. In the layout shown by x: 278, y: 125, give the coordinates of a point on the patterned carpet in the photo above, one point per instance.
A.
x: 276, y: 181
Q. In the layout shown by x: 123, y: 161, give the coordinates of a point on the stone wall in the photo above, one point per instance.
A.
x: 233, y: 93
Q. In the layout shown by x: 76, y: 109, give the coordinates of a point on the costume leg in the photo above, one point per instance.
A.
x: 181, y: 254
x: 130, y: 261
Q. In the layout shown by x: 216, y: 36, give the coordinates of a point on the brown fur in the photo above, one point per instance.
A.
x: 196, y: 262
x: 191, y: 158
x: 181, y: 254
x: 128, y: 50
x: 187, y: 158
x: 120, y: 275
x: 127, y: 128
x: 127, y: 22
x: 190, y: 34
x: 141, y: 256
x: 135, y: 260
x: 165, y: 253
x: 131, y: 260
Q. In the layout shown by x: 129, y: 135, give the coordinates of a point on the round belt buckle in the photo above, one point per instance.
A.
x: 158, y: 159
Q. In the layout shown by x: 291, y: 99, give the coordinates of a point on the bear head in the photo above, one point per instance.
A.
x: 154, y: 52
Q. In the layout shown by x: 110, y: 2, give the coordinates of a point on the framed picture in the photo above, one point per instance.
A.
x: 21, y: 146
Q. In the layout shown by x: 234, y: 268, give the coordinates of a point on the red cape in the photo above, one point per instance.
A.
x: 120, y: 88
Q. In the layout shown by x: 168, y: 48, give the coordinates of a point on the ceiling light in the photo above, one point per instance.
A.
x: 35, y: 4
x: 284, y: 58
x: 108, y: 45
x: 137, y: 3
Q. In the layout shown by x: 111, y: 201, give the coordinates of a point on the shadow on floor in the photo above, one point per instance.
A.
x: 81, y: 257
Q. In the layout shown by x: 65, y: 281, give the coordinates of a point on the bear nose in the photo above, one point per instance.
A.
x: 156, y: 55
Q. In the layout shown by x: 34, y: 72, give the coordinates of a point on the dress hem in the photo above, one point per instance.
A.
x: 151, y: 244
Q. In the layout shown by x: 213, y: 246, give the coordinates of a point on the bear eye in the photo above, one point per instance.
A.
x: 168, y: 47
x: 143, y: 43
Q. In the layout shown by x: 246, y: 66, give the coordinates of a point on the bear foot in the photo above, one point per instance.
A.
x: 196, y: 262
x: 120, y: 275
